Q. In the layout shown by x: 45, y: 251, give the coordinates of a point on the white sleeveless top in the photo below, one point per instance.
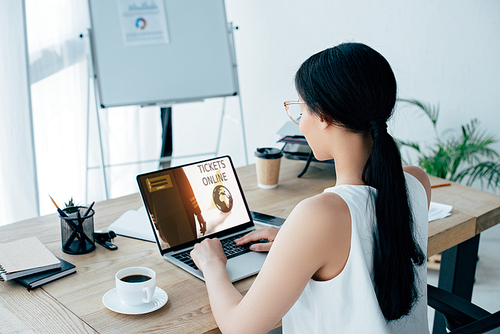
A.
x: 347, y: 303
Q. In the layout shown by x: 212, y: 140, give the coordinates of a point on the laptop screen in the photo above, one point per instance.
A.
x: 193, y: 201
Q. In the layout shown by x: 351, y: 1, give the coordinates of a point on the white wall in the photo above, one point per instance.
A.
x: 444, y: 52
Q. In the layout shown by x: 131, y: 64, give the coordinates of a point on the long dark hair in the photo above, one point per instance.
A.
x: 353, y: 86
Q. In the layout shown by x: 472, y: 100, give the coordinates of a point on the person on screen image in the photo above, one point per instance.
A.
x: 190, y: 202
x: 353, y: 258
x: 176, y: 213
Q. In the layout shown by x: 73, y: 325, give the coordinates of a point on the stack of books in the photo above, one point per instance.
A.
x: 30, y: 263
x: 296, y: 146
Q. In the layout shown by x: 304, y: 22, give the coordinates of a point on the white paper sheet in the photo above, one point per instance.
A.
x: 143, y: 22
x: 134, y: 224
x: 439, y: 210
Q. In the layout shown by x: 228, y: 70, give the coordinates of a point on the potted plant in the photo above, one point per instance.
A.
x: 70, y: 206
x: 463, y: 157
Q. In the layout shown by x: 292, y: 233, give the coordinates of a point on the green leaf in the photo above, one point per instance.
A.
x: 71, y: 202
x: 401, y: 143
x: 457, y: 157
x: 432, y: 112
x: 488, y: 172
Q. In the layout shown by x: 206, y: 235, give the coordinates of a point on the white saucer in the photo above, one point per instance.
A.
x: 113, y: 302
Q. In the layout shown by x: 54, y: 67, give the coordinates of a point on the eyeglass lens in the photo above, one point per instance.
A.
x: 295, y: 112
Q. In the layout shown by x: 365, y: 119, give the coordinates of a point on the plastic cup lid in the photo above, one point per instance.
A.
x: 268, y: 153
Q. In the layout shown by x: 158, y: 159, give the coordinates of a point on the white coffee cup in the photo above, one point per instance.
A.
x: 136, y: 285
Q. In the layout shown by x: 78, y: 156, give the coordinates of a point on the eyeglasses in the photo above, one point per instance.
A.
x: 293, y: 110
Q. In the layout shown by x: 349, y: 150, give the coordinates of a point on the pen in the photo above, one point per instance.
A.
x: 74, y: 233
x: 88, y: 210
x: 77, y: 232
x: 74, y: 227
x: 80, y: 222
x: 441, y: 185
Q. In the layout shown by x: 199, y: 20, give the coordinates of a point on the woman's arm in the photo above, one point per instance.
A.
x: 313, y: 236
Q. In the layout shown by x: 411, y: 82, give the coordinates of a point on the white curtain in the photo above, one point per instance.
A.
x: 55, y: 127
x: 63, y: 100
x: 18, y: 184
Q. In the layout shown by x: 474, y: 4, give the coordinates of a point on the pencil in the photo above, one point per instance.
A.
x: 61, y: 212
x: 441, y: 185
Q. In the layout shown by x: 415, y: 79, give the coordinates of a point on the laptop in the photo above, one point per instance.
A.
x: 189, y: 203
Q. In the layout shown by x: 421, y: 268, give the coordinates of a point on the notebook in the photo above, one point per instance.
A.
x: 25, y: 257
x: 35, y: 280
x: 134, y: 224
x: 188, y: 203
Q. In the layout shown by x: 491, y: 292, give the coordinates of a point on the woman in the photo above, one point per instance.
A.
x: 352, y: 259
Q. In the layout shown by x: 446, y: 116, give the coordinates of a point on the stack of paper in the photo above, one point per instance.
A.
x: 438, y: 211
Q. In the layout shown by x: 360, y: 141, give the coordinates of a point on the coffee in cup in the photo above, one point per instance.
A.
x: 136, y: 285
x: 267, y: 163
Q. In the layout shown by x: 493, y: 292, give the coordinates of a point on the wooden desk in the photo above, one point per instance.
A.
x: 73, y: 304
x: 458, y: 262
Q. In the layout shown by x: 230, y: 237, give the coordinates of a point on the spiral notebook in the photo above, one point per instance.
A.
x: 25, y: 257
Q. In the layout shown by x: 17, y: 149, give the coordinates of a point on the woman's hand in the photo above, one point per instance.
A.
x: 268, y: 233
x: 208, y: 252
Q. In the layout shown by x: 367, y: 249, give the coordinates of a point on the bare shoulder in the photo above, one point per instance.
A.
x: 328, y: 207
x: 321, y: 226
x: 321, y: 218
x: 421, y: 176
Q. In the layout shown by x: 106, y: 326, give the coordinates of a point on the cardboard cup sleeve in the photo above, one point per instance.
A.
x: 267, y: 163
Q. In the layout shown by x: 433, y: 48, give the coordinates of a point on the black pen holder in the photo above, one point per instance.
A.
x: 77, y: 230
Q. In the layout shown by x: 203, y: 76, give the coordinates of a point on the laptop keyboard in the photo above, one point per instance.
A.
x: 228, y: 246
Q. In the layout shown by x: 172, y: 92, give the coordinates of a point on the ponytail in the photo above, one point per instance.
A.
x: 396, y: 251
x: 353, y: 86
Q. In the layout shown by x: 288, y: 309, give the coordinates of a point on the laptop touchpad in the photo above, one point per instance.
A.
x: 247, y: 264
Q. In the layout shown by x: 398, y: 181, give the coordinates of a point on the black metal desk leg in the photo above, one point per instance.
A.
x: 309, y: 159
x: 166, y: 136
x: 456, y: 274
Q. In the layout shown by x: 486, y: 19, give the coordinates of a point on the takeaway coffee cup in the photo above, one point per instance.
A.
x: 136, y: 285
x: 267, y: 162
